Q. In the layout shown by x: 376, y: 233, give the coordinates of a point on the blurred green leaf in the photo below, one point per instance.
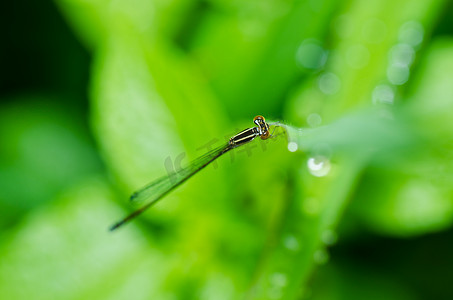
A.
x: 364, y: 91
x: 47, y: 151
x: 418, y: 199
x: 69, y: 254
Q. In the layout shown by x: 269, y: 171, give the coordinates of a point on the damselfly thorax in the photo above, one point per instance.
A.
x: 248, y: 135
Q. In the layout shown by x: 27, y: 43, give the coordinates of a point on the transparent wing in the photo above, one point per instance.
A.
x: 156, y: 190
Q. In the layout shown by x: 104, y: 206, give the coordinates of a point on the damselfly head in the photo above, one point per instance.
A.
x: 258, y: 118
x: 262, y: 126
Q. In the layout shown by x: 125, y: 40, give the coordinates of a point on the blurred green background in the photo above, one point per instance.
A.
x: 99, y: 97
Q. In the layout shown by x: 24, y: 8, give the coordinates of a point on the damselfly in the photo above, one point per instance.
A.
x: 156, y: 190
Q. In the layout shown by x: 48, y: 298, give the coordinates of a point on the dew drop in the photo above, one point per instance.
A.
x: 292, y: 146
x: 318, y: 166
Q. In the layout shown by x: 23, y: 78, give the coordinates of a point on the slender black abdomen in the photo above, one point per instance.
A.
x: 244, y: 137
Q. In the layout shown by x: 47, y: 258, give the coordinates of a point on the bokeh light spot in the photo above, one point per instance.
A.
x: 383, y: 94
x: 411, y: 33
x: 402, y: 55
x: 311, y: 55
x: 329, y: 83
x: 397, y: 74
x: 314, y: 120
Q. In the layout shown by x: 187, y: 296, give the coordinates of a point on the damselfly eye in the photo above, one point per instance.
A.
x: 258, y: 118
x: 265, y: 135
